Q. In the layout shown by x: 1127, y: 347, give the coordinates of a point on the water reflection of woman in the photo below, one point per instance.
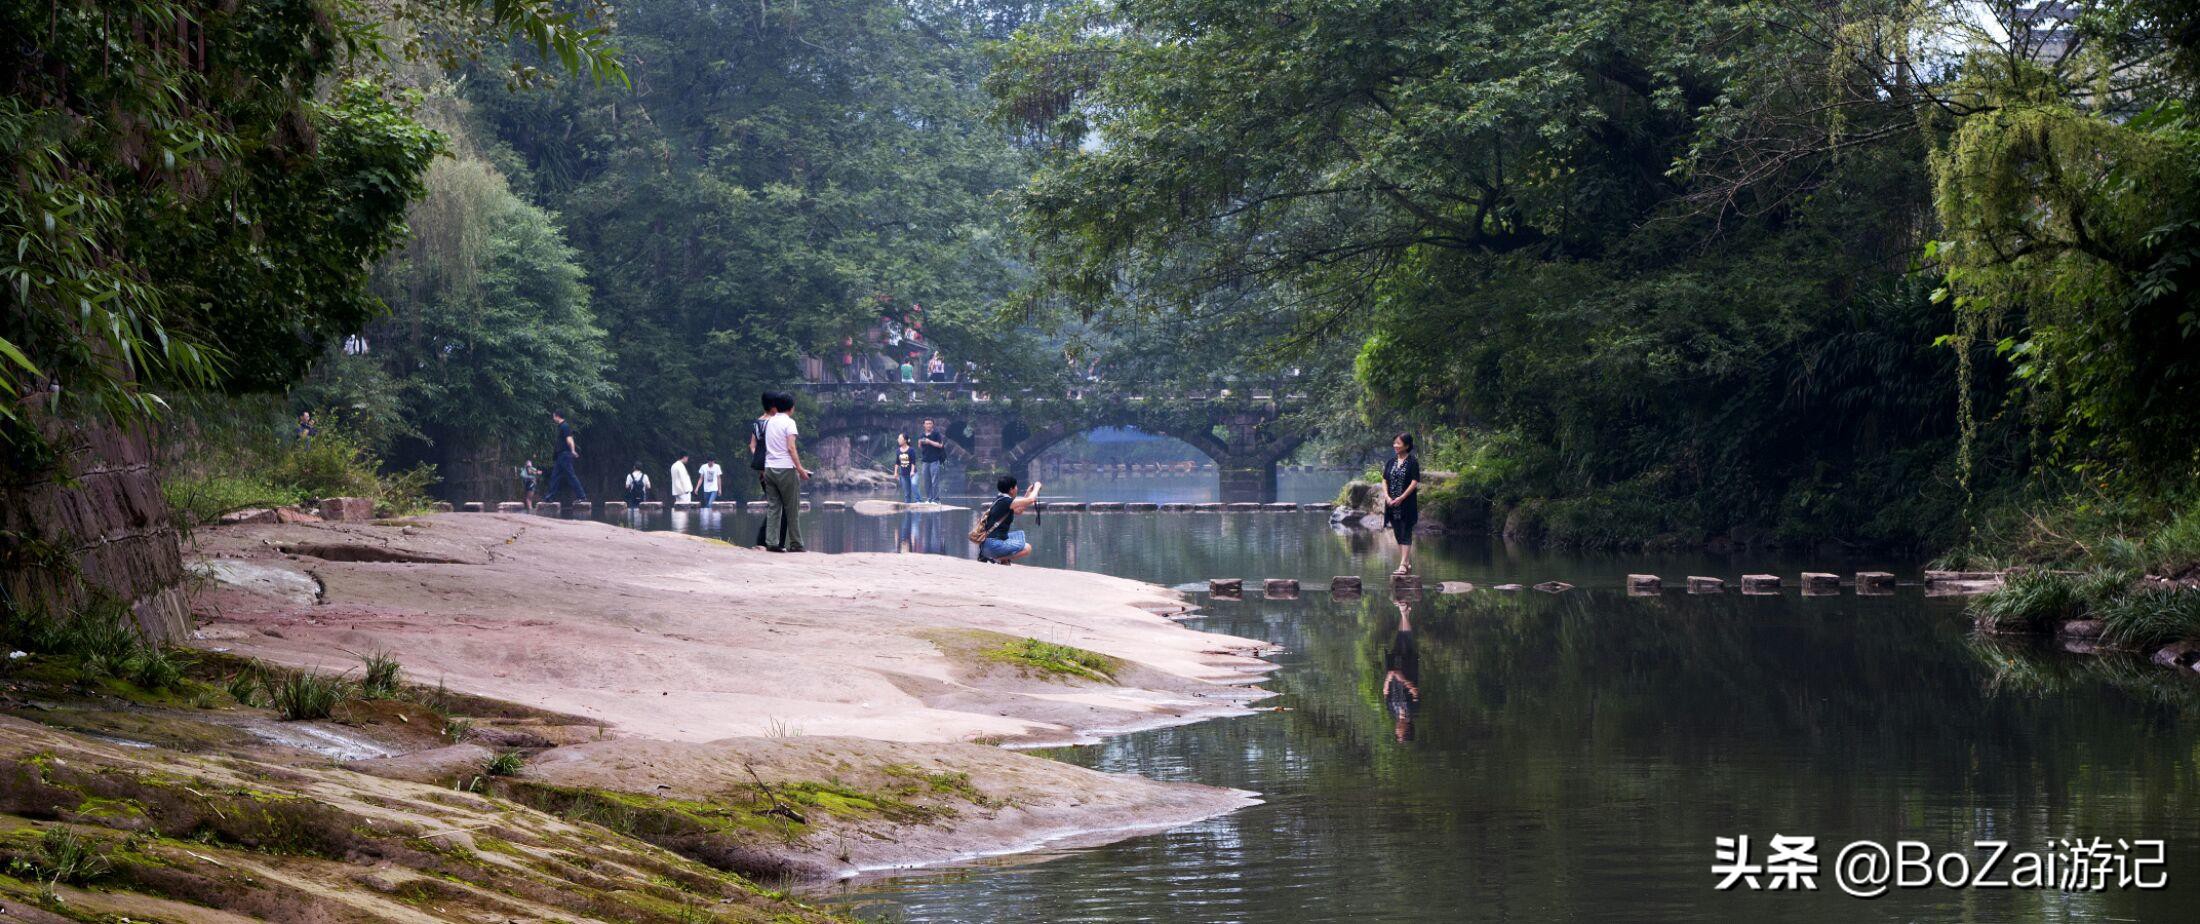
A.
x: 1402, y: 675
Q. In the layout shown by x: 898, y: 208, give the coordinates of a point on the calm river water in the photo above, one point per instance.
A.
x: 1574, y: 756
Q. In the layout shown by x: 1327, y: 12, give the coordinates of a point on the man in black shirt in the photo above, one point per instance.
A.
x: 932, y: 449
x: 561, y: 471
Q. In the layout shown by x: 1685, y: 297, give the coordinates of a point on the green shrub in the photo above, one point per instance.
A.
x: 2029, y: 602
x: 509, y: 763
x: 307, y: 694
x: 200, y: 497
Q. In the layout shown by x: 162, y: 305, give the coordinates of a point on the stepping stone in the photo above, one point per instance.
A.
x: 1324, y: 507
x: 1455, y: 587
x: 1509, y: 588
x: 1554, y: 587
x: 1141, y: 506
x: 441, y: 507
x: 1280, y: 506
x: 1645, y: 585
x: 583, y: 507
x: 1210, y: 506
x: 836, y: 505
x: 1105, y: 505
x: 1344, y: 585
x: 1067, y: 505
x: 1698, y: 584
x: 1819, y: 583
x: 725, y: 505
x: 1760, y: 584
x: 1244, y: 506
x: 547, y: 508
x: 614, y: 506
x: 1226, y: 587
x: 471, y: 507
x: 1176, y: 507
x: 1874, y: 583
x: 647, y: 506
x: 513, y: 507
x: 1281, y: 588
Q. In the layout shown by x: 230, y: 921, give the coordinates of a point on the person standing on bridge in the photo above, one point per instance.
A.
x: 637, y: 487
x: 936, y: 370
x: 561, y: 468
x: 932, y: 452
x: 1402, y: 497
x: 783, y: 477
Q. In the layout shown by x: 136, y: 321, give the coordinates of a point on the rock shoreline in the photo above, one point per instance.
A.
x: 679, y: 647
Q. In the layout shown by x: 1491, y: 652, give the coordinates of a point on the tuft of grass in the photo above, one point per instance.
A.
x: 307, y: 694
x: 509, y: 763
x: 2151, y: 616
x: 155, y: 668
x: 201, y: 497
x: 1033, y: 655
x: 383, y: 677
x: 245, y: 686
x: 62, y: 856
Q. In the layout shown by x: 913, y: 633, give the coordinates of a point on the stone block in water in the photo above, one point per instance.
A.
x: 1345, y: 585
x: 1554, y: 587
x: 1645, y: 585
x: 1226, y: 587
x: 547, y: 508
x: 1104, y: 505
x: 1819, y: 583
x: 1141, y: 506
x: 471, y: 507
x: 1281, y: 588
x: 725, y: 505
x: 650, y: 505
x: 1760, y: 583
x: 1280, y: 506
x: 1697, y: 584
x: 511, y: 507
x: 1874, y: 583
x: 614, y: 506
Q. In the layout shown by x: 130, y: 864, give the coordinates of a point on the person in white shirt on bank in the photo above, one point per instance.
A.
x: 783, y: 477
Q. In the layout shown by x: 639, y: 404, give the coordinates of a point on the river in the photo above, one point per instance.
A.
x: 1572, y: 756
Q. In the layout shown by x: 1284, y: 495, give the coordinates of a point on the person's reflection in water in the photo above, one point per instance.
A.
x: 1402, y: 675
x: 906, y: 537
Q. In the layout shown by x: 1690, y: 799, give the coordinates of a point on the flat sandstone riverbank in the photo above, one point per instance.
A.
x: 773, y: 715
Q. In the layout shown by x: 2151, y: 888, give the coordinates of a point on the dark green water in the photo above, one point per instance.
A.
x: 1574, y: 756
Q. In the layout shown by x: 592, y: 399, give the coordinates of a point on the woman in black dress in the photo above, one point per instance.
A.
x: 1402, y: 497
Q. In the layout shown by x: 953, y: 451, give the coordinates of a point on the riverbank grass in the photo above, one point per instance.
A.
x: 2131, y: 562
x: 1033, y: 656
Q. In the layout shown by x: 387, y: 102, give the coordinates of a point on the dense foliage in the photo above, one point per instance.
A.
x: 1649, y: 269
x: 196, y: 190
x: 777, y: 177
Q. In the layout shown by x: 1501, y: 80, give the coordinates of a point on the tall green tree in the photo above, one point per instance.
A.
x: 779, y: 176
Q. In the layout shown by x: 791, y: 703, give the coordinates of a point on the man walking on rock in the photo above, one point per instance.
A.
x: 561, y: 470
x: 706, y: 479
x: 783, y: 477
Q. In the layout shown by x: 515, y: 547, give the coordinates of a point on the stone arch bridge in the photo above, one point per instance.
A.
x: 1245, y: 431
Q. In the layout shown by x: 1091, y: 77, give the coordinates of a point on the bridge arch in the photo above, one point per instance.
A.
x: 1018, y: 458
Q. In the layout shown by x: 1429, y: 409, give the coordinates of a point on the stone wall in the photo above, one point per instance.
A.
x: 103, y: 509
